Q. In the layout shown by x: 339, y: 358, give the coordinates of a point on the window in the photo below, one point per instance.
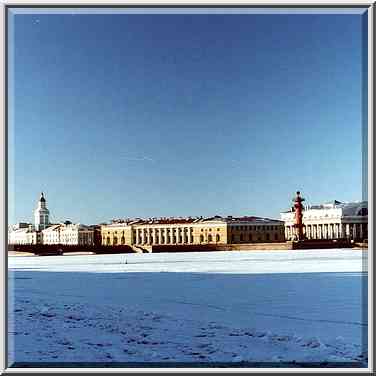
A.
x: 108, y: 240
x: 201, y: 238
x: 210, y: 238
x: 276, y: 237
x: 241, y: 237
x: 363, y: 212
x: 217, y: 238
x: 268, y: 237
x: 250, y: 237
x: 123, y: 240
x: 115, y: 240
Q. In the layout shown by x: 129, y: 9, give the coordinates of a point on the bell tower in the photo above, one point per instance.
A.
x: 41, y: 214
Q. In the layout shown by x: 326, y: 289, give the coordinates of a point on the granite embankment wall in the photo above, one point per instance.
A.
x: 59, y: 249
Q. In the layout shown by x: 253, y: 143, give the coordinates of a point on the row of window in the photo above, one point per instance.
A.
x: 164, y: 240
x: 256, y: 228
x: 173, y: 239
x: 180, y: 229
x: 249, y: 237
x: 210, y: 238
x: 162, y: 230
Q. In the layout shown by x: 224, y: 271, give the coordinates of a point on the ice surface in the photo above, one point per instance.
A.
x: 268, y: 306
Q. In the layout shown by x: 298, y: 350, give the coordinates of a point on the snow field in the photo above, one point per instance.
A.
x: 231, y: 307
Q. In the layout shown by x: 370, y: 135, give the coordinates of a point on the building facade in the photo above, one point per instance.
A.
x: 24, y: 235
x: 68, y: 234
x: 175, y: 231
x: 334, y: 220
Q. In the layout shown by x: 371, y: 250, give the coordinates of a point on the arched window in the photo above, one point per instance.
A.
x: 108, y: 240
x: 115, y: 240
x: 201, y: 238
x: 210, y: 238
x: 123, y: 240
x: 217, y: 238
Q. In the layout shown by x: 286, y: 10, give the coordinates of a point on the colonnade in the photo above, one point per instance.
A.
x: 163, y: 235
x: 356, y: 231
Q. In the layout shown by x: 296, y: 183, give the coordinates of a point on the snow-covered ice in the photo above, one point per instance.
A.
x: 231, y: 307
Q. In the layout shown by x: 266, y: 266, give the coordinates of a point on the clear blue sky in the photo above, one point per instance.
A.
x: 124, y: 115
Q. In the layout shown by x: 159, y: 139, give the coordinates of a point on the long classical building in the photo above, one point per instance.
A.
x: 333, y: 220
x: 214, y: 230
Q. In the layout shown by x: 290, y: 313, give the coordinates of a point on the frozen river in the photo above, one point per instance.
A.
x: 268, y: 306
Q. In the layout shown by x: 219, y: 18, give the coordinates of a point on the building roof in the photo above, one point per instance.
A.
x: 52, y: 228
x: 188, y: 220
x: 348, y: 208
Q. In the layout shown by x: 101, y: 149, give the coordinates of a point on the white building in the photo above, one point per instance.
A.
x: 43, y: 232
x: 68, y: 234
x: 76, y: 234
x: 24, y: 235
x: 51, y: 235
x: 334, y: 220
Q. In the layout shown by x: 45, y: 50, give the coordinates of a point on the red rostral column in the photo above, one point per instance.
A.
x: 298, y: 206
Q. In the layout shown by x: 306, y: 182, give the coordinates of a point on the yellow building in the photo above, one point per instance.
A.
x: 214, y: 230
